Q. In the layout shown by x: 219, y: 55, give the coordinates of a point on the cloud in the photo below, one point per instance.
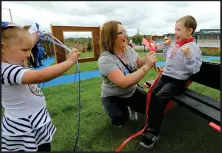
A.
x: 151, y: 17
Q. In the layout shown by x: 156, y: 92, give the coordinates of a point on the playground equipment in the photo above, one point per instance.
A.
x: 57, y: 31
x: 204, y: 106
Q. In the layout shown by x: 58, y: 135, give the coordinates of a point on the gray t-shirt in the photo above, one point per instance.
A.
x: 108, y: 62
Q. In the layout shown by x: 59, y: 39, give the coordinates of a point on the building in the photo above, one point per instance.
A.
x: 203, y: 34
x: 207, y: 34
x: 204, y: 38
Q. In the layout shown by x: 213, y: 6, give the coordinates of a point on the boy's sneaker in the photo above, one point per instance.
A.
x: 144, y: 132
x: 148, y: 140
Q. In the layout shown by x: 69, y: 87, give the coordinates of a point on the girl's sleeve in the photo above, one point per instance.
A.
x: 12, y: 74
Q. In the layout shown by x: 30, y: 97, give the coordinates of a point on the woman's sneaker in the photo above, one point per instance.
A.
x: 148, y: 140
x: 132, y: 114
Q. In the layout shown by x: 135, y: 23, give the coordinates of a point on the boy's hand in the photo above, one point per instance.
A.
x: 186, y: 51
x: 167, y: 42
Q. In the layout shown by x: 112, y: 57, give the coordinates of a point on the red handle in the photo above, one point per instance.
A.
x: 214, y: 126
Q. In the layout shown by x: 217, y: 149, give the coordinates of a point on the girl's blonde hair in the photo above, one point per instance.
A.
x: 12, y: 33
x: 108, y: 36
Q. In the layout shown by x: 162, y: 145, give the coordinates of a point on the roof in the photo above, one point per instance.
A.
x: 209, y: 32
x: 206, y: 30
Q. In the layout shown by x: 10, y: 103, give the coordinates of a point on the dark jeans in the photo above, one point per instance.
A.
x: 165, y: 89
x: 116, y: 107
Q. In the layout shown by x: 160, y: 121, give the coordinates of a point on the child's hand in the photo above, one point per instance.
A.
x: 73, y: 55
x: 186, y: 51
x: 167, y: 42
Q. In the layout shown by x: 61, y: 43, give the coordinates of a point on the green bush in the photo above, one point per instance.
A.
x: 206, y: 52
x: 142, y: 50
x: 89, y: 46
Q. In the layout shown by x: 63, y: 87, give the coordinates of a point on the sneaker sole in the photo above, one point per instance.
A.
x: 150, y: 146
x: 142, y: 134
x: 119, y: 126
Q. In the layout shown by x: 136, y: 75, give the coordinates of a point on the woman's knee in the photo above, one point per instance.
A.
x: 117, y: 113
x: 119, y: 120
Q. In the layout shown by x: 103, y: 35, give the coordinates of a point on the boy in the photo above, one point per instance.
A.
x: 182, y: 61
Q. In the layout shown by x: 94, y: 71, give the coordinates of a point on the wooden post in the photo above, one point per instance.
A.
x: 57, y: 31
x: 59, y: 52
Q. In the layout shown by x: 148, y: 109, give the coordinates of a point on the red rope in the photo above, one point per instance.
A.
x: 152, y: 47
x: 146, y: 120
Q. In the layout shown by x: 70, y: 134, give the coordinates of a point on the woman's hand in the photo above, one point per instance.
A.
x: 150, y: 59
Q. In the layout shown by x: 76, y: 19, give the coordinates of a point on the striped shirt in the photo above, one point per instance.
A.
x: 26, y: 123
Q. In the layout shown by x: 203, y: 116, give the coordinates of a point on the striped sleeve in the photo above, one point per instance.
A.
x: 12, y: 74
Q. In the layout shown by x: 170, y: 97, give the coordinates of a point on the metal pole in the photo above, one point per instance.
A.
x: 196, y: 36
x: 9, y: 13
x: 144, y: 45
x: 196, y: 39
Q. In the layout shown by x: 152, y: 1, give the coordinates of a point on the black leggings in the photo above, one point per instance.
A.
x: 165, y: 89
x: 116, y: 107
x: 46, y: 147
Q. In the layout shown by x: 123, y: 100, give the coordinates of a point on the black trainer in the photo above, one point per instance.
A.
x: 144, y: 132
x: 148, y: 140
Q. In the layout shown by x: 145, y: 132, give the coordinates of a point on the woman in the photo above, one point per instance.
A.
x: 122, y: 68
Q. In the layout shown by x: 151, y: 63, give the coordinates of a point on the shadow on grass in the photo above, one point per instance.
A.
x: 181, y: 131
x: 110, y: 135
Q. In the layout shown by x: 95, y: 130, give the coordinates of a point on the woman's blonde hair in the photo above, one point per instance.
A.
x: 108, y: 36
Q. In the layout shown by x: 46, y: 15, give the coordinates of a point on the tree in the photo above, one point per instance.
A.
x: 137, y: 39
x: 138, y: 31
x: 89, y: 46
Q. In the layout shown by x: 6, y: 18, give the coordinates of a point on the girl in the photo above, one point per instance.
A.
x: 26, y: 124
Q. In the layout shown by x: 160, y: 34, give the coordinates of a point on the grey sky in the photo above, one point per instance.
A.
x: 155, y: 18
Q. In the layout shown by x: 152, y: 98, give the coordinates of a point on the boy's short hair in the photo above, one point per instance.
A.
x: 189, y: 22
